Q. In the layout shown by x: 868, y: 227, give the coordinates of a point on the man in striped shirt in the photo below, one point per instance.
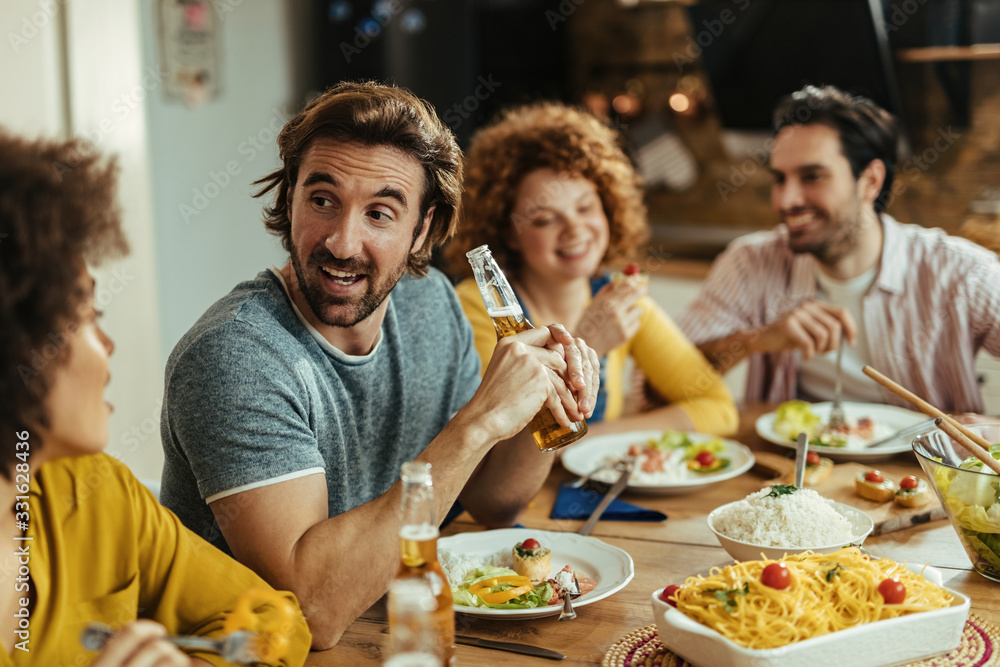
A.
x: 915, y: 303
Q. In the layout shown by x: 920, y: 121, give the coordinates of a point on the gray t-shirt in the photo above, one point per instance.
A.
x: 251, y: 397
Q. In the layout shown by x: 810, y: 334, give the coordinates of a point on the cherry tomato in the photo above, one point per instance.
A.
x: 667, y: 594
x: 812, y: 458
x: 631, y: 269
x: 530, y: 544
x: 777, y: 576
x: 908, y: 482
x: 874, y: 476
x: 892, y: 590
x: 705, y: 458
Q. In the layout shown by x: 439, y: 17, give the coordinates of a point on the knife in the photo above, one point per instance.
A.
x: 801, y: 449
x: 612, y: 493
x: 524, y: 649
x: 902, y: 433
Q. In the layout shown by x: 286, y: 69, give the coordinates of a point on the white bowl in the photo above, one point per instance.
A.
x: 894, y: 641
x: 860, y: 522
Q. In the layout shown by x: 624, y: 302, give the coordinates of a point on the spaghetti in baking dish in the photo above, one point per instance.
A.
x: 816, y: 594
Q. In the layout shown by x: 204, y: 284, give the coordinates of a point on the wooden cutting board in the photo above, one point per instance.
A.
x: 839, y: 487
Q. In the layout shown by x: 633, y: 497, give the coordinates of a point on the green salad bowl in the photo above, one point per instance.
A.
x: 969, y: 492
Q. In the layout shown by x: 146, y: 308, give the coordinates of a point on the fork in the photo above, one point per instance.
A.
x: 610, y: 465
x: 568, y: 613
x: 234, y: 647
x: 837, y: 418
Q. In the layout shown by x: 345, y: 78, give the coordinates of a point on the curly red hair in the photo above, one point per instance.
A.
x: 544, y: 135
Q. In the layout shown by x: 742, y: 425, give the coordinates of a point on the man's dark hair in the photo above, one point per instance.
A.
x: 58, y: 208
x: 867, y: 131
x: 373, y: 114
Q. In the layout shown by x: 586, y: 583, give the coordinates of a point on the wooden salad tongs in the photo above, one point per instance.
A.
x: 960, y: 433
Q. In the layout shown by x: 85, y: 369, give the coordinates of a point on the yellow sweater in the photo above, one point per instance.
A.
x: 103, y: 549
x: 673, y: 366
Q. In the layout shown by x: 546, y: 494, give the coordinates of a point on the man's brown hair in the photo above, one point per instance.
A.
x: 373, y: 114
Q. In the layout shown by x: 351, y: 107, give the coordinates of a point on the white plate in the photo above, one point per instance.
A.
x: 891, y: 416
x: 588, y: 556
x: 894, y: 641
x: 584, y: 457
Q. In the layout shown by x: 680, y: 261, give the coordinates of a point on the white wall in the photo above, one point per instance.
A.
x: 30, y: 69
x: 203, y: 250
x: 106, y: 88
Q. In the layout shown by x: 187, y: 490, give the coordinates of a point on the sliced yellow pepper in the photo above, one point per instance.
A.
x: 504, y: 596
x: 515, y: 579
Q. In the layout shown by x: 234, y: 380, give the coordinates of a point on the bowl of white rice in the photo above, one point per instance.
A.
x: 779, y: 520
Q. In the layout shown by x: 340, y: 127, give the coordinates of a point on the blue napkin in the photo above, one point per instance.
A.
x: 580, y: 503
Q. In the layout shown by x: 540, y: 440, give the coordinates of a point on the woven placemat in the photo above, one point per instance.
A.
x: 980, y: 647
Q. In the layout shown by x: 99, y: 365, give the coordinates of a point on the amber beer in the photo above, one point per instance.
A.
x: 418, y: 558
x: 508, y: 319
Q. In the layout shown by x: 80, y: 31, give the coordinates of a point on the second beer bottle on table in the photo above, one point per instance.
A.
x: 418, y: 536
x: 508, y: 319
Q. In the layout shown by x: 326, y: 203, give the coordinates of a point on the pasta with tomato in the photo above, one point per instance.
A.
x: 767, y: 604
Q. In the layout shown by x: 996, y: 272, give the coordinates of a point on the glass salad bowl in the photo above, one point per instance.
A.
x: 969, y: 491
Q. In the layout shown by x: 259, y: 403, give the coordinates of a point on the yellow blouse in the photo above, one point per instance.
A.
x: 103, y: 549
x: 671, y: 363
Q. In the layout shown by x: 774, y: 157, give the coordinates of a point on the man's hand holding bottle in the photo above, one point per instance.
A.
x: 543, y: 366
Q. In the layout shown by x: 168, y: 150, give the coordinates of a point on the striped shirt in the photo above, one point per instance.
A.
x: 934, y: 304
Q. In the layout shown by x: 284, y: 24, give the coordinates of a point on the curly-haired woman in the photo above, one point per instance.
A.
x: 91, y: 544
x: 550, y: 190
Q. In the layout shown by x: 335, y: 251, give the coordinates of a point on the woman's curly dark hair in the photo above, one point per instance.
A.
x: 58, y: 208
x: 544, y: 135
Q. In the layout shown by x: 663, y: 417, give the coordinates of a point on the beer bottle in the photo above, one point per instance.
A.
x: 508, y: 319
x: 418, y: 537
x: 411, y: 624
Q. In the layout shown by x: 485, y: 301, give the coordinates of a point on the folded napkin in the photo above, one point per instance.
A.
x: 579, y: 503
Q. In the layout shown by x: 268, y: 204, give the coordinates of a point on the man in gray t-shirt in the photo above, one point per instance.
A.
x: 291, y: 404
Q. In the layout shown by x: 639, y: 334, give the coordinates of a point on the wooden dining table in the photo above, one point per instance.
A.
x: 663, y: 553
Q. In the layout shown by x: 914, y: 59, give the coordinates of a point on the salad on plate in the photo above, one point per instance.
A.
x: 794, y: 417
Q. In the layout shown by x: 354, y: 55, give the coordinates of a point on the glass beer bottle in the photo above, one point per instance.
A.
x: 411, y: 624
x: 418, y: 536
x: 508, y: 319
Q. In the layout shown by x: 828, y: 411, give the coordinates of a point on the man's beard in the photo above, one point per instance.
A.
x: 840, y: 237
x: 338, y: 311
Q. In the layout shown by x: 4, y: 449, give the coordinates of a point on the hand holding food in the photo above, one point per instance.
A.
x: 613, y: 316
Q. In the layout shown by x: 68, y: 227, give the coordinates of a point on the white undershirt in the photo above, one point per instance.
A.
x: 323, y: 342
x: 817, y: 377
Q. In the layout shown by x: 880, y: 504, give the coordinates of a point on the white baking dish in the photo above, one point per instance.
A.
x: 894, y: 641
